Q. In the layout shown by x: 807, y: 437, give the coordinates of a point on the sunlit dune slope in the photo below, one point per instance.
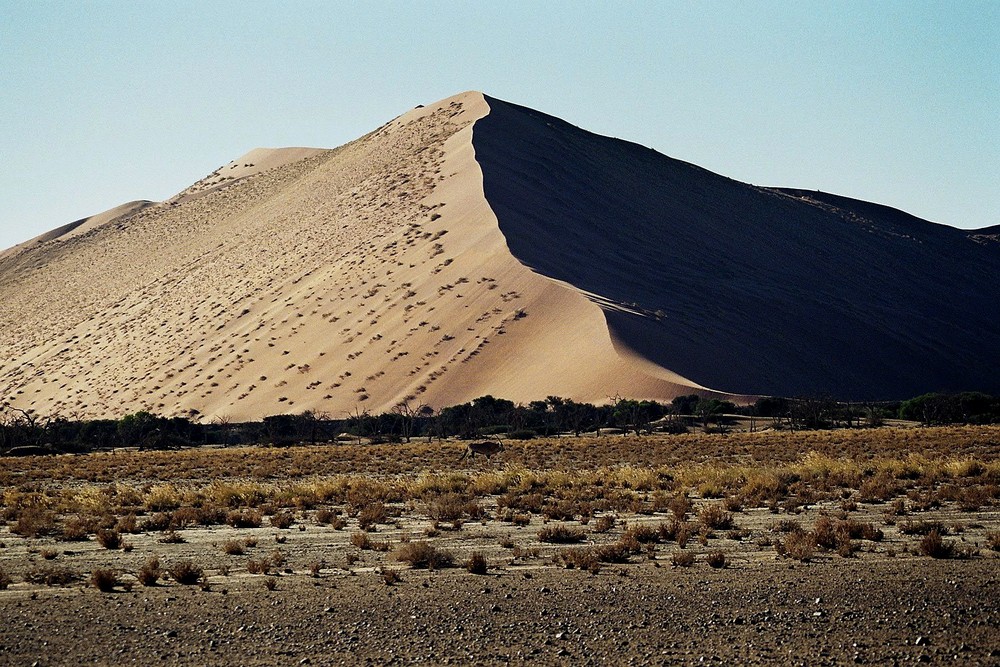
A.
x: 79, y: 227
x: 335, y: 280
x: 741, y: 288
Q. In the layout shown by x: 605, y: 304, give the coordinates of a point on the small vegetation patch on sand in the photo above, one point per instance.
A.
x: 424, y: 555
x: 104, y: 579
x: 185, y: 572
x: 561, y: 534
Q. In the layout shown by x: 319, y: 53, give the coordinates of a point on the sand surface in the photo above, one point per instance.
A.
x: 297, y: 279
x: 78, y: 228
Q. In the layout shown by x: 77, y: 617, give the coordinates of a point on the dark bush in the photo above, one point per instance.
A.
x: 104, y: 580
x: 244, y: 519
x: 109, y: 539
x: 561, y: 535
x: 149, y: 573
x: 477, y: 563
x: 185, y: 572
x: 716, y: 559
x: 424, y: 555
x: 932, y: 545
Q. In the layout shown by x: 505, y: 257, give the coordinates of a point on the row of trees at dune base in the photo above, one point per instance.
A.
x: 25, y: 432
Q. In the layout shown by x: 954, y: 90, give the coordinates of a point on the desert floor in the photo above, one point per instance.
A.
x: 867, y: 546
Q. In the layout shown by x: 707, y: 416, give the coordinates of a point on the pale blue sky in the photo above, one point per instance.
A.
x: 894, y: 102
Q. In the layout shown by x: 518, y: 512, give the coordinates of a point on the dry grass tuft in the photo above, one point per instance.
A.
x: 331, y: 518
x: 715, y: 517
x: 682, y: 559
x: 233, y: 548
x: 185, y: 572
x: 259, y: 565
x: 642, y: 533
x: 424, y: 555
x: 109, y: 539
x: 934, y: 546
x: 923, y: 528
x: 149, y: 574
x: 561, y: 535
x: 716, y: 559
x: 617, y: 552
x: 34, y: 522
x: 604, y: 523
x: 581, y: 558
x: 372, y: 514
x: 993, y: 540
x: 104, y: 580
x: 244, y: 519
x: 477, y: 563
x: 51, y: 575
x: 798, y: 545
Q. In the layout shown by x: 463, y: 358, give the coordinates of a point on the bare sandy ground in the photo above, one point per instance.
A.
x: 78, y: 228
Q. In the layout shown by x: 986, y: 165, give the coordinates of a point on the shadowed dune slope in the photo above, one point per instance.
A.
x: 744, y: 289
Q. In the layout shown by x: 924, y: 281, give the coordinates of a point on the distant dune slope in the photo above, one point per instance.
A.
x: 744, y: 289
x: 334, y: 280
x: 79, y: 227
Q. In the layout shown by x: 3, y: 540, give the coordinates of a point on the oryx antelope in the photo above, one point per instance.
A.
x: 485, y: 447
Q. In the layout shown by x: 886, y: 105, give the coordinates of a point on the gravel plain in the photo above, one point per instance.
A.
x: 842, y: 611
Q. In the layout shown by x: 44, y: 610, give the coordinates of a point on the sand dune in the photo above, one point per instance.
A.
x: 473, y: 247
x: 79, y: 227
x: 255, y: 162
x: 745, y: 289
x: 335, y: 280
